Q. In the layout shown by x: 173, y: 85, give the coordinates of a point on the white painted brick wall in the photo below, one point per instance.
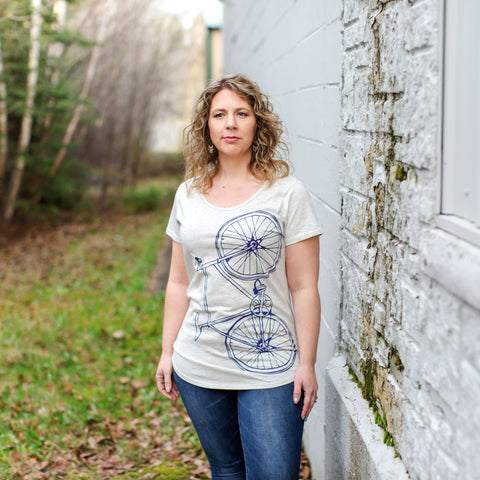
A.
x: 409, y: 289
x: 358, y: 85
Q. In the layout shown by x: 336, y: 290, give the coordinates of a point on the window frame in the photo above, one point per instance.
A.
x: 452, y: 221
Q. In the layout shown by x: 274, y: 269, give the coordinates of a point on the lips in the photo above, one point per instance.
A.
x: 230, y: 139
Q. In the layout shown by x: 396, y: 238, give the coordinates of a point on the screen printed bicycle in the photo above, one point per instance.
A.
x: 249, y: 249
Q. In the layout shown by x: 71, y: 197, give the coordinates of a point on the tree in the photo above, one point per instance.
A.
x: 141, y: 70
x: 3, y: 122
x: 26, y: 130
x: 109, y: 9
x: 40, y: 97
x: 66, y: 101
x: 55, y: 52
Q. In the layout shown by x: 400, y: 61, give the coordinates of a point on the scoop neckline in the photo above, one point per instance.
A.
x: 210, y: 204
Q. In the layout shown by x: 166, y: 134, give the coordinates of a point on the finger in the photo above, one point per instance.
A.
x: 161, y: 385
x: 310, y: 396
x: 175, y: 393
x: 297, y: 392
x: 305, y: 409
x: 160, y: 382
x: 168, y: 383
x: 172, y: 395
x: 309, y: 402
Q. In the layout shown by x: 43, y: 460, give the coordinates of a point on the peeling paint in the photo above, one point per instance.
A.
x: 384, y: 172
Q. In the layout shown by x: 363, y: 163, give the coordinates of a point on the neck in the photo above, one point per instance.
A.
x: 234, y: 170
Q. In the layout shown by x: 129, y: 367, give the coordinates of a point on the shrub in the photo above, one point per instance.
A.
x: 146, y: 200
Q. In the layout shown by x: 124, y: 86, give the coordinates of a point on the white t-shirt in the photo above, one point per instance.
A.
x: 239, y: 331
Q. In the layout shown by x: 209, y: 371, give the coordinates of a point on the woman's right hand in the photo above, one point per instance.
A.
x: 164, y: 377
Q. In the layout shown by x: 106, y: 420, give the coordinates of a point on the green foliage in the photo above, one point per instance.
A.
x: 78, y: 351
x: 54, y: 101
x: 146, y: 200
x: 69, y: 38
x: 157, y: 163
x: 163, y: 472
x: 66, y: 189
x: 113, y: 131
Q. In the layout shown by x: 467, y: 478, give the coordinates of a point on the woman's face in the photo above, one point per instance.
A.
x: 231, y: 123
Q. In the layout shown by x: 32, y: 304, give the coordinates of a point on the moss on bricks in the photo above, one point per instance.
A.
x: 367, y: 390
x: 401, y: 173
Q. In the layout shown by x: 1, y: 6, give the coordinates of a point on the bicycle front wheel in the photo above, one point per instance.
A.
x: 250, y: 245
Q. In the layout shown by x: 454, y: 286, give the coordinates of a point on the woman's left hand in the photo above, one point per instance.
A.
x: 305, y: 382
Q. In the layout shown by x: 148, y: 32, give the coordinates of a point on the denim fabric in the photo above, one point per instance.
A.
x: 247, y: 434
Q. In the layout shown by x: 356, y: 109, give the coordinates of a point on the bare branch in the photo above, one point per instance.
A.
x: 109, y: 9
x: 14, y: 18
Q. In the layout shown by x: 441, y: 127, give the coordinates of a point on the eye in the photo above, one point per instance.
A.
x: 218, y: 115
x: 242, y: 114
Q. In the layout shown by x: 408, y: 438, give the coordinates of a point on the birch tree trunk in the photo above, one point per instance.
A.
x: 90, y: 75
x: 26, y: 129
x: 3, y: 123
x: 55, y: 51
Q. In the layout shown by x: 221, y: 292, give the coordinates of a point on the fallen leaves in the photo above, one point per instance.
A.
x: 305, y: 470
x: 111, y: 449
x: 118, y: 334
x: 77, y: 399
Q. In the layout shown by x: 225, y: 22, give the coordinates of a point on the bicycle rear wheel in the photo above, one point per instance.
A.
x: 261, y: 344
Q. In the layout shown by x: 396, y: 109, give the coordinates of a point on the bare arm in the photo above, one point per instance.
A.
x: 176, y: 305
x: 302, y: 260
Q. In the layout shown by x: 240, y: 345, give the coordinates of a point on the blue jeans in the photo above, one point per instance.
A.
x: 247, y: 434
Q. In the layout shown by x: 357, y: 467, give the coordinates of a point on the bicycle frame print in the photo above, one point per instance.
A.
x: 249, y: 248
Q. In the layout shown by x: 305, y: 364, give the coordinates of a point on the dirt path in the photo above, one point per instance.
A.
x: 159, y: 277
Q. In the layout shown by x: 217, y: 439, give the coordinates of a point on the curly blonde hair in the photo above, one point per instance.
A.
x: 269, y: 151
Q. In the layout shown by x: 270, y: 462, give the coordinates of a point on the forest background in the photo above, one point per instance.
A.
x: 87, y: 89
x: 82, y: 85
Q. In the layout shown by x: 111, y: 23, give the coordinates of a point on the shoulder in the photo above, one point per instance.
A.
x: 184, y: 186
x: 289, y: 184
x: 185, y: 190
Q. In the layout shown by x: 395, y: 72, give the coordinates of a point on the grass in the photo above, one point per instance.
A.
x: 80, y: 339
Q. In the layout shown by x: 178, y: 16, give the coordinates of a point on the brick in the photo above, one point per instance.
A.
x: 359, y: 251
x: 351, y: 11
x: 391, y: 31
x: 356, y: 212
x: 422, y: 27
x: 359, y: 167
x: 355, y: 35
x: 470, y: 335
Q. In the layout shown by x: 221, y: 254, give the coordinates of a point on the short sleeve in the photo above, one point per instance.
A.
x: 301, y: 221
x: 173, y: 226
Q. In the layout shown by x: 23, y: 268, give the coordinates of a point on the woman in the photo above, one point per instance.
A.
x: 242, y: 310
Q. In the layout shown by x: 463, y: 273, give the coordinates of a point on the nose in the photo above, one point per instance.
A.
x: 231, y: 121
